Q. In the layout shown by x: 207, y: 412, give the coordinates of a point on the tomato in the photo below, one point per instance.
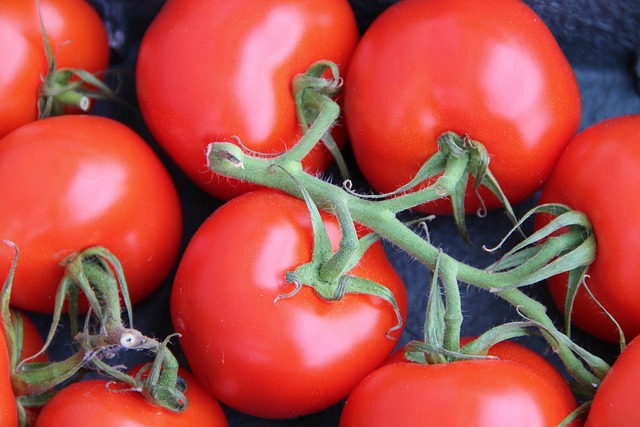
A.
x: 475, y: 393
x: 214, y: 70
x: 609, y: 149
x: 72, y: 182
x: 490, y: 69
x: 616, y: 401
x: 108, y: 405
x: 78, y: 39
x: 514, y: 352
x: 276, y: 359
x: 8, y: 408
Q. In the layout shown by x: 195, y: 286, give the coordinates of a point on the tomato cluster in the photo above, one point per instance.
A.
x: 293, y: 304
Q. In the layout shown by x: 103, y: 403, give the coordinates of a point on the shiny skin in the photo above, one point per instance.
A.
x: 72, y: 182
x: 512, y: 351
x: 616, y: 401
x: 210, y: 71
x: 276, y: 360
x: 479, y: 393
x: 108, y: 405
x: 597, y: 175
x: 78, y: 39
x: 488, y: 69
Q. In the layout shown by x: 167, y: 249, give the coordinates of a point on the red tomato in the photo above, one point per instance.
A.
x: 616, y: 401
x: 609, y: 149
x: 209, y: 70
x: 8, y: 408
x: 72, y: 182
x: 480, y: 393
x: 514, y: 352
x: 78, y: 39
x: 488, y: 69
x: 108, y: 405
x: 276, y: 359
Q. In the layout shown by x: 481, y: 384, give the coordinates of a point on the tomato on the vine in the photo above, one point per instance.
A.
x: 78, y: 39
x: 76, y: 181
x: 211, y: 71
x: 616, y: 401
x: 108, y: 404
x: 518, y: 353
x: 491, y: 70
x: 270, y: 357
x: 480, y: 393
x: 597, y: 175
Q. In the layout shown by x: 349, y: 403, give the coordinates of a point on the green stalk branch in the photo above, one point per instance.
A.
x: 565, y: 245
x: 381, y: 217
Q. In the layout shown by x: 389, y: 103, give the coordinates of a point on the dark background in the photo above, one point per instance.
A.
x: 601, y: 41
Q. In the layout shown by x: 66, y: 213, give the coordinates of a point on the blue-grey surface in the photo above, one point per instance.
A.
x: 600, y: 40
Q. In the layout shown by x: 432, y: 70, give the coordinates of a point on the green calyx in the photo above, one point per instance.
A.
x: 67, y: 87
x: 328, y: 272
x: 96, y: 274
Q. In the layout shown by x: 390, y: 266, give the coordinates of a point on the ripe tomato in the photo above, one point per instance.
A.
x: 78, y: 39
x: 208, y: 70
x: 597, y: 175
x: 488, y: 69
x: 8, y: 408
x: 276, y: 359
x: 514, y: 352
x: 616, y: 401
x: 72, y: 182
x: 479, y: 393
x: 108, y: 405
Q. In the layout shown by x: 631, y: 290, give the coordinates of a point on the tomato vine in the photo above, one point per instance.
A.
x: 566, y: 244
x: 96, y: 274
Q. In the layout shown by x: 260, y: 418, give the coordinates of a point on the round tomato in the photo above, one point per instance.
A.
x: 491, y: 70
x: 616, y: 401
x: 479, y: 393
x: 213, y: 70
x: 598, y: 175
x: 276, y: 359
x: 78, y: 39
x: 514, y: 352
x: 109, y: 404
x: 8, y: 408
x: 72, y: 182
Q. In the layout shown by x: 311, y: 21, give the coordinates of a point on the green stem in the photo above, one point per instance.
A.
x: 454, y: 169
x: 453, y: 305
x: 65, y: 95
x: 337, y: 264
x: 328, y: 114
